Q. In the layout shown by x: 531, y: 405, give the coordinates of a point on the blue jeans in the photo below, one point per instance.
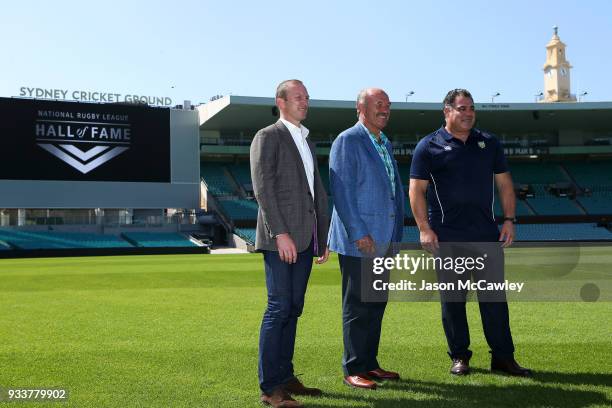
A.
x: 286, y: 284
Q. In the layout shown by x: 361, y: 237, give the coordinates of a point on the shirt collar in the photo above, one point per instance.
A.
x: 383, y: 137
x: 303, y: 130
x: 448, y: 137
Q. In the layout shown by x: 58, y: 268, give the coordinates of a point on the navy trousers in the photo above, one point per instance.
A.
x: 286, y: 284
x: 493, y: 309
x: 361, y: 321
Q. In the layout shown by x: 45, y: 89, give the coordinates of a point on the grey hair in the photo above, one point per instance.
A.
x: 361, y: 99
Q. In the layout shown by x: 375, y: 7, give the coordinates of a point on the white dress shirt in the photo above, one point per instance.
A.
x: 299, y: 135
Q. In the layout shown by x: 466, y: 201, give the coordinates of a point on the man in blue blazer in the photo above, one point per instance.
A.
x: 368, y: 217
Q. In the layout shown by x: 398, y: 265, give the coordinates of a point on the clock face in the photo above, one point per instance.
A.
x: 548, y: 72
x: 563, y: 71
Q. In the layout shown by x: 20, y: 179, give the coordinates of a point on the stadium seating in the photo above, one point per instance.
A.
x: 597, y: 176
x: 240, y: 209
x: 537, y: 173
x: 550, y: 205
x: 54, y: 240
x: 248, y: 234
x: 407, y: 208
x: 411, y: 235
x: 561, y: 232
x: 158, y: 239
x: 522, y: 209
x: 241, y: 173
x: 599, y: 203
x: 216, y: 179
x: 590, y: 174
x: 541, y: 232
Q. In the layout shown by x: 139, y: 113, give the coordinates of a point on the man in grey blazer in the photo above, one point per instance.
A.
x: 292, y: 225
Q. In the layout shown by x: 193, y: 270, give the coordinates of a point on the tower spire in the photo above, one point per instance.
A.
x: 557, y: 72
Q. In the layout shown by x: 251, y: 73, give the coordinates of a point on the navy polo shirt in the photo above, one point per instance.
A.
x: 461, y: 190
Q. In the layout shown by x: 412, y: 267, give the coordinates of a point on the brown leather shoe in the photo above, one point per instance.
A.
x: 381, y: 374
x: 461, y: 366
x: 509, y: 366
x: 280, y: 399
x: 295, y: 387
x: 360, y: 381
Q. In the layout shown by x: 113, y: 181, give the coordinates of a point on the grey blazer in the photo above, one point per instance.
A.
x: 281, y: 189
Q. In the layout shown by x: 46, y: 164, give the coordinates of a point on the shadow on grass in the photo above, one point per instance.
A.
x: 544, y: 390
x: 596, y: 379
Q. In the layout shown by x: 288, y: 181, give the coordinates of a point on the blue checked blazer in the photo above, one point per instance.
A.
x: 363, y: 200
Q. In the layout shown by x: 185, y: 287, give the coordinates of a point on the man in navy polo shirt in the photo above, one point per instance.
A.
x: 453, y: 174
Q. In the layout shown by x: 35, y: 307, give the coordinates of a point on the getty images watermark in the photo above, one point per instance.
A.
x: 460, y: 271
x: 449, y: 264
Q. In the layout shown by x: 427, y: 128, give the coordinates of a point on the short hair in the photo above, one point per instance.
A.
x: 281, y: 89
x: 362, y: 98
x: 450, y: 97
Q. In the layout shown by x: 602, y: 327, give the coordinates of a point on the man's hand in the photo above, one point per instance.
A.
x: 323, y: 259
x: 429, y: 240
x: 286, y: 248
x: 366, y: 245
x: 507, y: 234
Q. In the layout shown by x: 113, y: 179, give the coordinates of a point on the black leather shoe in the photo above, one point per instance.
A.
x: 509, y: 366
x: 461, y: 366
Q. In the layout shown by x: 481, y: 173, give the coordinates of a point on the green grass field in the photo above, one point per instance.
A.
x: 182, y: 331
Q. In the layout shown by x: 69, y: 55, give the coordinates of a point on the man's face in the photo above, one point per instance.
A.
x: 461, y: 116
x: 376, y: 110
x: 295, y: 107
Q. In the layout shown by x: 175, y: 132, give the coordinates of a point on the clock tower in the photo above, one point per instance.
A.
x: 557, y: 72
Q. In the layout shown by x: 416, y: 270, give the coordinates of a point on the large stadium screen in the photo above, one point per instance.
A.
x: 49, y: 140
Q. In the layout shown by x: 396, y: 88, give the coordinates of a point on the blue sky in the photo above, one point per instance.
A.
x: 196, y: 49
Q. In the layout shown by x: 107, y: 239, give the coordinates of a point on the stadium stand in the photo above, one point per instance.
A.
x: 411, y: 235
x: 240, y: 209
x: 599, y: 203
x: 550, y: 205
x: 541, y: 232
x: 64, y: 240
x: 561, y: 232
x: 591, y: 174
x: 248, y: 234
x: 216, y: 179
x: 537, y: 173
x: 522, y: 209
x: 242, y: 174
x: 596, y: 177
x: 158, y: 239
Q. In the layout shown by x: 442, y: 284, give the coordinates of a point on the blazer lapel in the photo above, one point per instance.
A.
x: 287, y: 139
x: 380, y: 166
